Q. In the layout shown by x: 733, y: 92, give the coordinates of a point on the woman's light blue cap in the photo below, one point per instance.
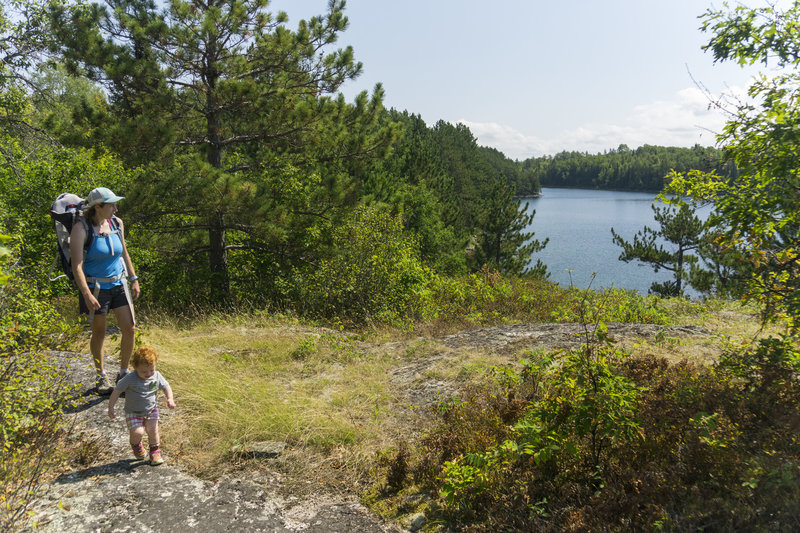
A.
x: 102, y: 195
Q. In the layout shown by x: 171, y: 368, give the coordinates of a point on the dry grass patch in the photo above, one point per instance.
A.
x: 730, y: 323
x: 335, y: 400
x: 315, y: 390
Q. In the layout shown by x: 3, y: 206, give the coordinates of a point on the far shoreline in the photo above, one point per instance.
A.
x: 540, y: 195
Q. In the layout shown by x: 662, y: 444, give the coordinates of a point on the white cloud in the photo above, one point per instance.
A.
x: 685, y: 120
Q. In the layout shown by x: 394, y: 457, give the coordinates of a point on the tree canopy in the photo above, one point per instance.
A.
x: 234, y: 113
x: 758, y: 213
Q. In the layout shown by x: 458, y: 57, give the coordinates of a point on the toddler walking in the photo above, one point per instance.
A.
x: 141, y: 410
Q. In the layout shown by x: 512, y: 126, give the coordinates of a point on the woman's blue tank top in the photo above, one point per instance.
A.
x: 104, y: 259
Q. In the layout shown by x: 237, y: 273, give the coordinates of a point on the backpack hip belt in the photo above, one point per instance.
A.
x: 125, y: 287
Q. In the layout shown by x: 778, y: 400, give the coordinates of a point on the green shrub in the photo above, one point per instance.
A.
x: 375, y: 275
x: 609, y: 443
x: 770, y: 372
x: 579, y: 410
x: 610, y: 305
x: 33, y: 393
x: 487, y: 297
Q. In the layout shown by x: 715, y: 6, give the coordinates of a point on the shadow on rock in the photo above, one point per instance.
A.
x: 122, y: 466
x: 85, y: 401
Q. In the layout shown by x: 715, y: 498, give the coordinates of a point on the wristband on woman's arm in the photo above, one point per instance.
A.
x: 133, y: 278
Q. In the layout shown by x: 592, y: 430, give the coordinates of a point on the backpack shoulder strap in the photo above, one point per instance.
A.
x: 87, y: 243
x: 115, y: 223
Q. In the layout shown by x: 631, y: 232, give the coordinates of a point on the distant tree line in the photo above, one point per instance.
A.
x: 642, y: 169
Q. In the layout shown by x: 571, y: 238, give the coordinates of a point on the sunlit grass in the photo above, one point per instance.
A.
x: 249, y: 377
x: 727, y: 323
x: 241, y: 384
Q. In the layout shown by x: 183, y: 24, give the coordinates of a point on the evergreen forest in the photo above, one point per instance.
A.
x: 641, y: 169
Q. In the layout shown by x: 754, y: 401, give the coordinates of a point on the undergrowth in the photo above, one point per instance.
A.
x: 255, y: 376
x: 34, y: 394
x: 595, y: 439
x: 442, y: 302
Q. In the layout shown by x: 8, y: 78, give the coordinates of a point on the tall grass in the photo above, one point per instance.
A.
x: 244, y: 384
x: 486, y: 297
x: 253, y: 376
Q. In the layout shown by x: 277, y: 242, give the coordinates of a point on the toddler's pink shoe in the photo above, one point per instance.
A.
x: 138, y: 450
x: 155, y: 457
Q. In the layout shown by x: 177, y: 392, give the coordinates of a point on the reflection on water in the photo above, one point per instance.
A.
x: 578, y: 223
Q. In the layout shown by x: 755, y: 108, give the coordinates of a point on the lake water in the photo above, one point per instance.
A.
x: 578, y: 223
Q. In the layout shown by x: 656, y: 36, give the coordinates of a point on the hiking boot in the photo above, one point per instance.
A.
x: 103, y: 385
x: 155, y: 457
x: 138, y: 450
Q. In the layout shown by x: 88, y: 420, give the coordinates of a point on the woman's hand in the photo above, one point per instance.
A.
x: 91, y: 302
x: 135, y: 289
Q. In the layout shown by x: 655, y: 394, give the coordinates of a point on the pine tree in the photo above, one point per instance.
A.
x: 503, y: 242
x: 236, y: 111
x: 22, y: 40
x: 679, y: 226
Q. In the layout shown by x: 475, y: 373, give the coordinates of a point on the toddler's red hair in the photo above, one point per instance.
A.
x: 144, y: 355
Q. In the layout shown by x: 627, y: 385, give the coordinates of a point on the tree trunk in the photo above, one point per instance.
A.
x: 218, y: 258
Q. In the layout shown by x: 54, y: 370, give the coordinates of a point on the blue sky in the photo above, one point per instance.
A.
x: 531, y: 77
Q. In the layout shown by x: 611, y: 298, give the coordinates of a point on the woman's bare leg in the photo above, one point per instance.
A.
x: 127, y: 330
x: 98, y: 340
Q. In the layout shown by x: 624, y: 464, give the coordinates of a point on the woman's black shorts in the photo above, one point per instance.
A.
x: 109, y: 299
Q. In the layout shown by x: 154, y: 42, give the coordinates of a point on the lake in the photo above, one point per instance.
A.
x: 578, y: 223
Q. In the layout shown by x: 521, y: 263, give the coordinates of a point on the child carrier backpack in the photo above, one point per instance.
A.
x: 65, y: 211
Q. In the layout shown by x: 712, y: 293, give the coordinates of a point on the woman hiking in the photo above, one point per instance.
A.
x: 100, y: 276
